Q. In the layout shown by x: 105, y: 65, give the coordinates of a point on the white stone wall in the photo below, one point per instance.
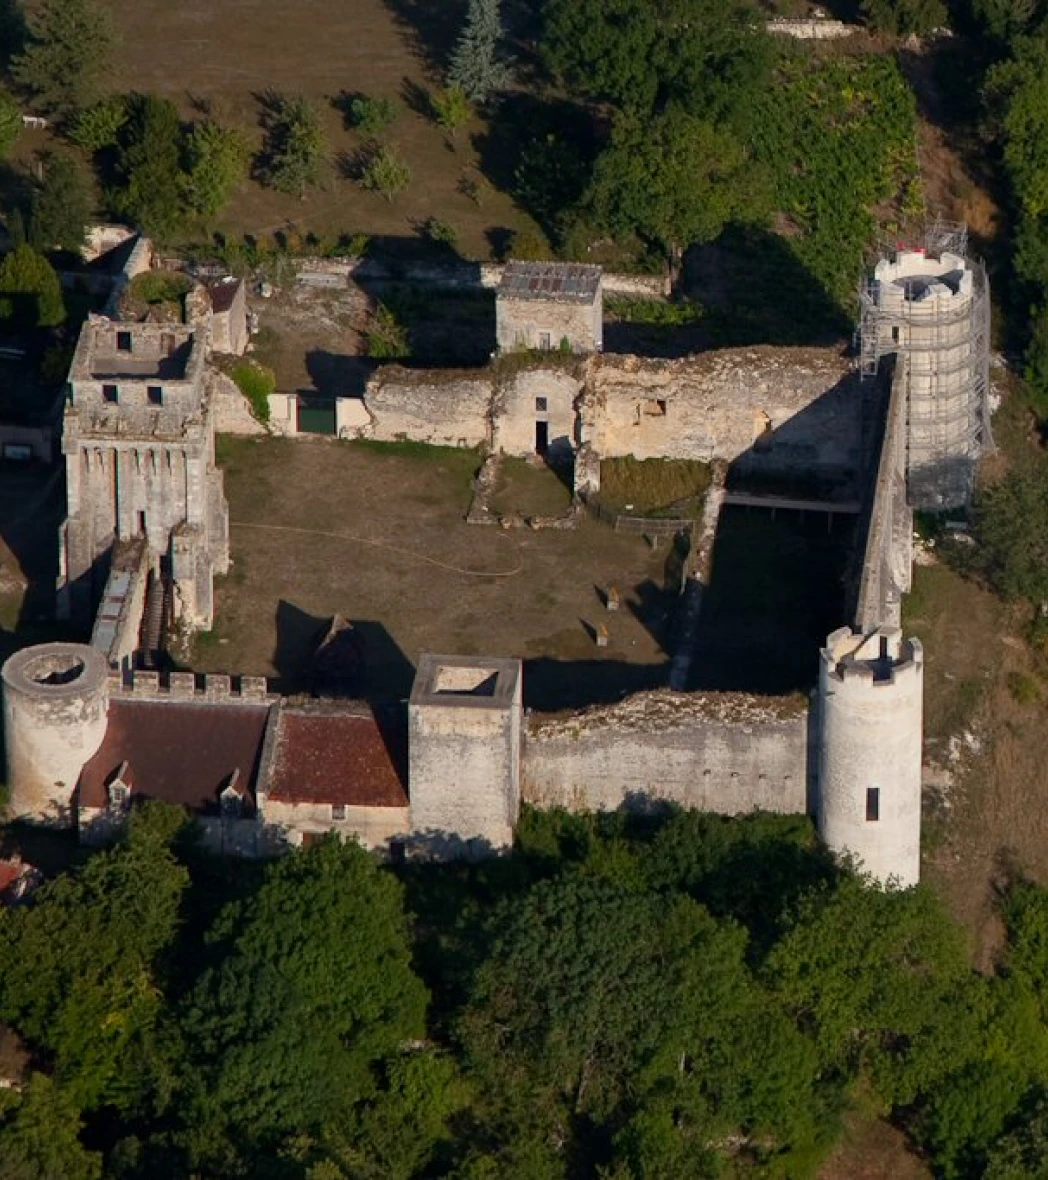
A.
x: 870, y: 735
x: 518, y: 406
x: 232, y: 412
x: 373, y: 827
x: 805, y: 403
x: 721, y: 752
x: 445, y: 408
x: 547, y: 323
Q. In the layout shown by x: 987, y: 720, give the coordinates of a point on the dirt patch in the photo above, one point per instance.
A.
x: 226, y: 55
x: 377, y: 534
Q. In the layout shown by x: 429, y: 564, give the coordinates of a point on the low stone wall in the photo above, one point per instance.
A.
x: 462, y: 276
x: 812, y: 29
x: 723, y: 752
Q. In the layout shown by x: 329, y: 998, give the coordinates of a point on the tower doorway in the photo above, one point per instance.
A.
x: 541, y: 438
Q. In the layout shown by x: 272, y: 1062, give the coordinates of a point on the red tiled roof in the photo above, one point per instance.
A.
x: 338, y: 755
x: 179, y: 751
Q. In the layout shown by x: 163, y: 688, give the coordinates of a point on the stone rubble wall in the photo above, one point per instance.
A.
x: 231, y: 410
x: 728, y: 753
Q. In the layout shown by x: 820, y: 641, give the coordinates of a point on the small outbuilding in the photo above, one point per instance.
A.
x: 550, y: 306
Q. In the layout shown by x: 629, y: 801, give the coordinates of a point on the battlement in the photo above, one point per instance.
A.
x: 881, y: 657
x: 185, y: 686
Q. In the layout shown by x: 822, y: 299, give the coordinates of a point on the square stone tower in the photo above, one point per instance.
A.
x: 550, y: 306
x: 139, y: 443
x: 464, y: 726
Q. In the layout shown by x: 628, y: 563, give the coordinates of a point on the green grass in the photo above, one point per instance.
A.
x: 653, y: 311
x: 653, y: 485
x: 157, y: 286
x: 256, y: 383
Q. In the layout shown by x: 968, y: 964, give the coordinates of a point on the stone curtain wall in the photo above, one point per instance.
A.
x: 722, y: 752
x: 443, y: 407
x: 801, y: 406
x: 887, y: 555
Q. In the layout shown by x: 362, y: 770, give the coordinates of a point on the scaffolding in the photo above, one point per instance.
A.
x: 933, y: 315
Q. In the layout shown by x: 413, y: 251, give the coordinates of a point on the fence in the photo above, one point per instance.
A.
x: 647, y: 526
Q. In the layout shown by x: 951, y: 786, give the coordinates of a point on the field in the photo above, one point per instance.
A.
x: 376, y: 533
x: 223, y: 56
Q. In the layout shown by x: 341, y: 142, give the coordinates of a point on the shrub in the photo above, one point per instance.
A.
x: 159, y: 286
x: 372, y: 115
x: 387, y: 336
x: 256, y: 383
x: 440, y: 233
x: 385, y: 172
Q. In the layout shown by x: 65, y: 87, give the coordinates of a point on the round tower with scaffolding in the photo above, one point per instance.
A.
x: 928, y: 305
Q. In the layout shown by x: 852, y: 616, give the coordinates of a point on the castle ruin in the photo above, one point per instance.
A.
x: 448, y: 773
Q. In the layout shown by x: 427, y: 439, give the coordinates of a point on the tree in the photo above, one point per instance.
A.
x: 386, y: 172
x: 99, y: 126
x: 451, y: 109
x: 710, y: 56
x: 1010, y: 519
x: 371, y: 115
x: 149, y: 167
x: 65, y: 58
x: 81, y: 977
x: 1017, y: 98
x: 10, y: 123
x: 313, y: 990
x: 674, y: 180
x: 61, y: 204
x: 216, y: 160
x: 905, y: 17
x: 296, y: 149
x: 39, y: 1139
x: 606, y: 1006
x: 30, y: 293
x: 477, y: 67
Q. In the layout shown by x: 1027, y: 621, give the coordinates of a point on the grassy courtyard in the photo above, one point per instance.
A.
x: 377, y: 534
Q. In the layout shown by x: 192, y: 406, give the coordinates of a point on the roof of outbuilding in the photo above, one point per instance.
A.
x: 223, y: 293
x: 563, y: 282
x: 182, y: 752
x: 338, y: 754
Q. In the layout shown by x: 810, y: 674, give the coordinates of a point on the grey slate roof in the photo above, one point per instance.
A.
x: 562, y: 282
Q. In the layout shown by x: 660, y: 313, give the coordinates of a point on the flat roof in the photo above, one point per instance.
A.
x: 563, y: 282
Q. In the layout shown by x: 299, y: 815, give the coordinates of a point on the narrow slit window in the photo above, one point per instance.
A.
x: 873, y: 804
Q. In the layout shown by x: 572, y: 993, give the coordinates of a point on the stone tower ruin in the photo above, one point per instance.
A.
x: 870, y: 706
x: 929, y: 306
x: 56, y: 697
x: 139, y: 443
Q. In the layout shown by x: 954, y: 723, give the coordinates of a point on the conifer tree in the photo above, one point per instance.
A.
x: 66, y: 54
x: 477, y: 67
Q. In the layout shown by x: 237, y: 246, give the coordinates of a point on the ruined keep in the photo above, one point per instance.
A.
x: 549, y: 306
x: 929, y: 307
x: 139, y: 444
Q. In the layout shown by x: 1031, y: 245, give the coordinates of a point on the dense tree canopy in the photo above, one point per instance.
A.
x: 620, y: 998
x: 30, y: 293
x: 66, y: 55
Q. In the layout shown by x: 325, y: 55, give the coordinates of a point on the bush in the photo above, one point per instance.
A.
x: 159, y: 286
x: 387, y: 336
x: 371, y: 115
x: 256, y: 383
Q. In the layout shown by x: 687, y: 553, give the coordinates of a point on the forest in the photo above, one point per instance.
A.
x: 663, y: 995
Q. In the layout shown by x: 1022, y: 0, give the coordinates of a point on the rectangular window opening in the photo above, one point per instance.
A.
x: 111, y: 394
x: 655, y: 407
x: 541, y: 404
x: 545, y: 341
x: 156, y: 395
x: 142, y: 524
x: 338, y: 811
x: 123, y: 341
x: 873, y: 804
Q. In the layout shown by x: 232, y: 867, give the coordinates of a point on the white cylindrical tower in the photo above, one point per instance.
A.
x: 56, y: 697
x: 869, y: 784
